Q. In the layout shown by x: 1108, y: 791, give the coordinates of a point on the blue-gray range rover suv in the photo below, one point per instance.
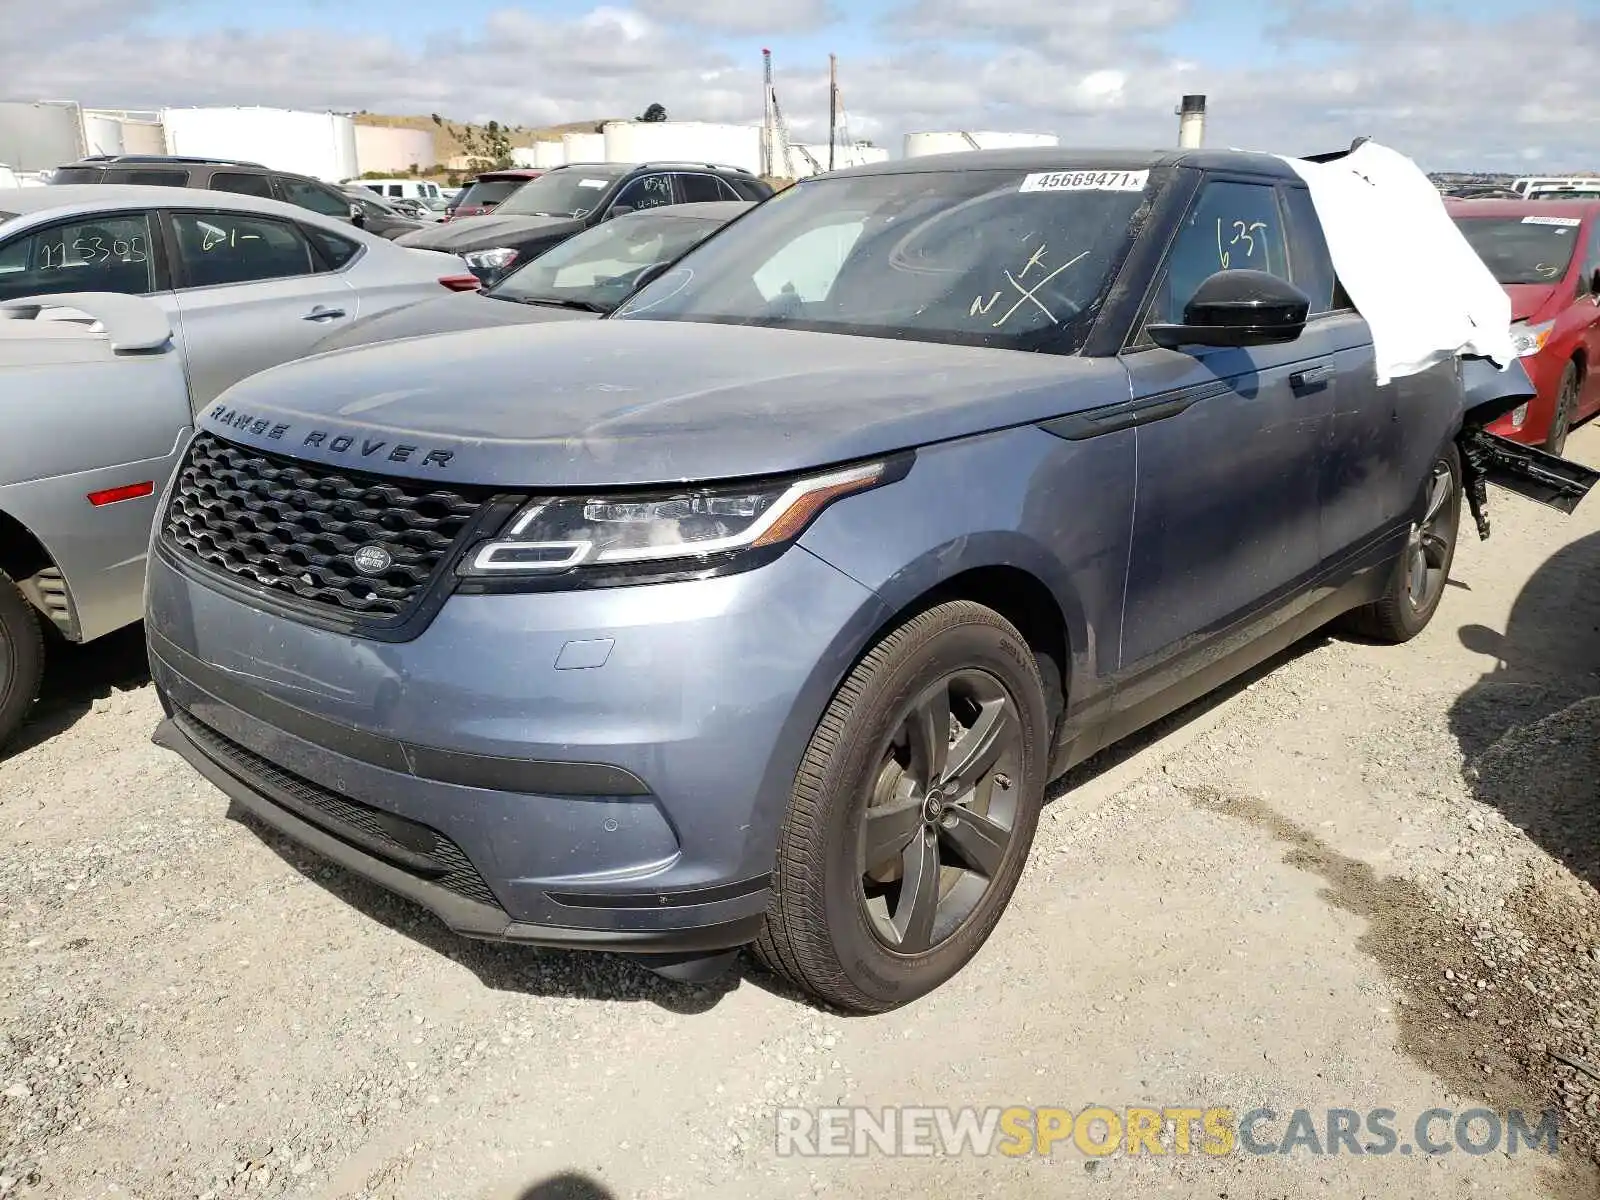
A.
x: 762, y: 611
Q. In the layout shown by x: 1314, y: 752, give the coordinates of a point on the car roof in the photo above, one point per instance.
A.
x: 508, y: 173
x: 1063, y: 158
x: 72, y: 199
x: 1524, y: 208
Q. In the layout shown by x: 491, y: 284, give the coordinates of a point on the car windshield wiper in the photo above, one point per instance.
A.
x: 552, y: 302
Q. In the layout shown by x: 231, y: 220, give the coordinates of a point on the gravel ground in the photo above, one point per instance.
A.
x: 1365, y: 878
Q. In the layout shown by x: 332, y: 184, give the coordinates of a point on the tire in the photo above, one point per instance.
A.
x: 842, y: 928
x: 1555, y: 440
x: 21, y: 658
x: 1398, y: 616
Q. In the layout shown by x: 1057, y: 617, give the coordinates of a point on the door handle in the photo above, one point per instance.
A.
x: 1311, y: 376
x: 319, y: 313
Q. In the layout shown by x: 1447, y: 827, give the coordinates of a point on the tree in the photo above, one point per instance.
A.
x: 654, y: 113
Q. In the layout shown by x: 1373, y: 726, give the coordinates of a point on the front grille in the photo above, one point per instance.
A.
x: 293, y: 527
x: 410, y: 845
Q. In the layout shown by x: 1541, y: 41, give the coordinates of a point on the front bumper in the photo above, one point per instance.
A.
x: 605, y: 769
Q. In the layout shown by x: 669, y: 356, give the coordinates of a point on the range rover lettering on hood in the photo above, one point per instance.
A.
x: 224, y: 419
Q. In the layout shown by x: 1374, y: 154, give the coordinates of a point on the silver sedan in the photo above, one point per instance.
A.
x: 246, y: 282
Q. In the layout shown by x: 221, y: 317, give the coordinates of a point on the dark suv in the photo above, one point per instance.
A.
x: 212, y: 174
x: 546, y: 211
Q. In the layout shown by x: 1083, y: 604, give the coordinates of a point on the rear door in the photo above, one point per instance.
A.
x: 1227, y: 515
x: 252, y: 292
x: 1360, y: 494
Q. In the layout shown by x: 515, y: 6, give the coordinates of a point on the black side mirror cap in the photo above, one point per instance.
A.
x: 1238, y: 308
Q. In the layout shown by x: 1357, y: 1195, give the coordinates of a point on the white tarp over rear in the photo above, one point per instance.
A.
x: 1421, y: 287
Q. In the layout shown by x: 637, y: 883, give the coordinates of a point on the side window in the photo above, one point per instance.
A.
x: 1230, y: 226
x: 1591, y: 260
x: 219, y: 248
x: 807, y: 266
x: 314, y: 197
x: 334, y: 250
x: 148, y: 178
x: 94, y: 254
x: 648, y: 191
x: 1308, y: 255
x: 698, y: 189
x: 241, y: 184
x: 394, y: 189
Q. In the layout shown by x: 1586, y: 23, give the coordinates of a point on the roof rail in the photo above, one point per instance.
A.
x: 198, y: 160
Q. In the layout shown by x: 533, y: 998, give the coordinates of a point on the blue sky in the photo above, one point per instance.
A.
x: 1452, y: 82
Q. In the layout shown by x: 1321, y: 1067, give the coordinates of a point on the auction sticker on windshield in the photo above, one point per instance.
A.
x: 1086, y: 181
x: 592, y: 183
x: 1564, y: 222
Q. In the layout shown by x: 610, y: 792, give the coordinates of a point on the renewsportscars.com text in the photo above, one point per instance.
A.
x: 1098, y: 1131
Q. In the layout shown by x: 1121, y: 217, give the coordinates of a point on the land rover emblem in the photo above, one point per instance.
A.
x: 372, y: 560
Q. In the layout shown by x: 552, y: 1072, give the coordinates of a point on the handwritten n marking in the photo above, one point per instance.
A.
x: 980, y: 306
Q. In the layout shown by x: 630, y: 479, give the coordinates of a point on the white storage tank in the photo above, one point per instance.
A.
x: 920, y: 144
x: 851, y: 155
x: 103, y: 135
x: 583, y: 147
x: 143, y: 137
x: 393, y: 151
x: 683, y: 141
x: 322, y: 145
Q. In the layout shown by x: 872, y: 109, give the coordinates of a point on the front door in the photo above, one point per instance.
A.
x: 1227, y: 514
x: 252, y: 295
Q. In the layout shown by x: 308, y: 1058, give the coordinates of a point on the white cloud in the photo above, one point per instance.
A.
x: 764, y: 17
x: 1452, y: 92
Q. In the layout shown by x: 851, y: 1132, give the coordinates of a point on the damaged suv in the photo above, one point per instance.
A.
x: 762, y: 611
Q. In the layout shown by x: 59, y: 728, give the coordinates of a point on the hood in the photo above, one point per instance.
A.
x: 613, y: 403
x: 464, y: 235
x: 444, y: 314
x: 1528, y: 299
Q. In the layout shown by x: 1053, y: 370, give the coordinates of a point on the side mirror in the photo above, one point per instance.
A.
x: 1594, y: 285
x: 1238, y: 308
x: 619, y: 210
x: 358, y: 216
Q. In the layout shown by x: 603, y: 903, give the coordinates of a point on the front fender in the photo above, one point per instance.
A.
x: 1061, y: 511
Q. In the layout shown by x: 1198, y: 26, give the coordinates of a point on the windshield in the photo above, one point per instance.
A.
x: 1523, y: 249
x: 597, y: 268
x: 489, y: 191
x: 562, y: 193
x: 990, y: 258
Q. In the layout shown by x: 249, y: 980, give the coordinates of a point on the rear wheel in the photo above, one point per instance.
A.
x: 1566, y: 409
x: 912, y: 812
x: 1417, y: 583
x: 21, y: 658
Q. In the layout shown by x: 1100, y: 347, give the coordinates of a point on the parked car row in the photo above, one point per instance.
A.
x: 643, y: 601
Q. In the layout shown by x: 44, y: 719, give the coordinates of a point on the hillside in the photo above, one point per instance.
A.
x: 447, y: 145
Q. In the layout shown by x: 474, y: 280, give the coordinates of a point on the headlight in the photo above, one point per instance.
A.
x: 497, y: 259
x: 573, y: 541
x: 1527, y: 340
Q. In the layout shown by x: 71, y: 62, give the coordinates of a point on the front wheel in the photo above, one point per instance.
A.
x: 1566, y: 409
x: 21, y: 658
x: 912, y: 812
x: 1417, y: 582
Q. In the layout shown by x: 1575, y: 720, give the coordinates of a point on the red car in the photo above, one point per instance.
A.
x: 1546, y: 254
x: 485, y: 192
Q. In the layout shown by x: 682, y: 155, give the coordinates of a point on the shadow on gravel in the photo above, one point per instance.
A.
x: 500, y: 966
x: 76, y: 676
x: 569, y: 1185
x: 1530, y: 729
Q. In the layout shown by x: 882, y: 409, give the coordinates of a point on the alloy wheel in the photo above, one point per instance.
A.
x: 1428, y: 551
x: 1561, y: 422
x: 942, y: 812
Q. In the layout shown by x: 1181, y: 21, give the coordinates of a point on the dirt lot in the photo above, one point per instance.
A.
x: 1364, y: 879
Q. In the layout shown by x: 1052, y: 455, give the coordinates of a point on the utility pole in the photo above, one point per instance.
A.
x: 766, y: 113
x: 1191, y: 114
x: 833, y: 104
